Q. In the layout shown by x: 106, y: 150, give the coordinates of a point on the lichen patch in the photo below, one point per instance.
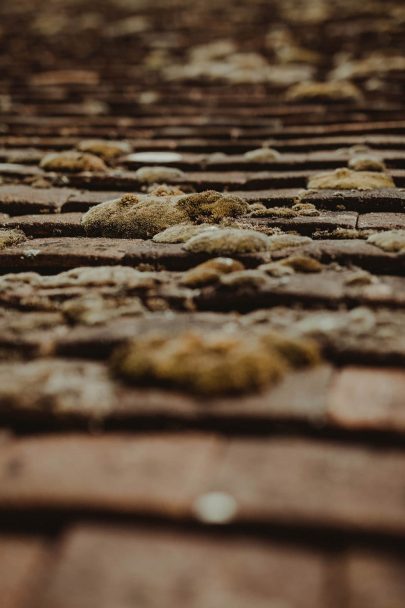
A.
x: 211, y: 363
x: 346, y: 179
x: 72, y: 161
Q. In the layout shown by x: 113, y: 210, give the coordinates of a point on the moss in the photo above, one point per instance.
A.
x: 324, y: 91
x: 210, y: 271
x: 72, y: 162
x: 98, y: 276
x: 93, y: 309
x: 133, y: 217
x: 302, y: 263
x: 181, y: 233
x: 227, y: 241
x: 245, y: 278
x: 212, y: 206
x: 282, y: 212
x: 305, y: 209
x: 155, y: 175
x: 9, y: 238
x: 345, y: 179
x: 105, y: 149
x: 365, y: 162
x: 359, y: 278
x: 262, y: 155
x: 211, y: 363
x: 281, y: 241
x: 389, y: 240
x: 276, y: 269
x: 165, y: 190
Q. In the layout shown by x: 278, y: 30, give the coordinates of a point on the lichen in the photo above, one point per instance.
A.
x: 72, y: 162
x: 282, y: 241
x: 211, y: 363
x: 324, y: 91
x: 210, y: 271
x: 227, y: 241
x: 262, y: 155
x: 212, y: 206
x: 156, y: 175
x: 106, y: 149
x: 389, y: 240
x: 10, y: 237
x: 181, y: 233
x: 133, y: 216
x: 346, y: 179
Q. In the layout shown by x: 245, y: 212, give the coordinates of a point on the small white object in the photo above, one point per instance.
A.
x: 215, y: 507
x: 155, y: 157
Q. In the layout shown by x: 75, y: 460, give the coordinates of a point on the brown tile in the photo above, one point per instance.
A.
x: 375, y: 580
x: 25, y: 199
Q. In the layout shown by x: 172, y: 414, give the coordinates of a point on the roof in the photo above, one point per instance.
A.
x: 176, y: 430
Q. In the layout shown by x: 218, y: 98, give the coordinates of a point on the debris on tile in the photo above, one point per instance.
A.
x: 212, y: 363
x: 324, y: 91
x: 389, y: 240
x: 156, y: 175
x: 212, y: 206
x: 262, y: 155
x: 227, y: 241
x: 9, y: 238
x: 346, y: 179
x: 72, y: 161
x: 180, y: 233
x: 210, y: 271
x: 106, y: 149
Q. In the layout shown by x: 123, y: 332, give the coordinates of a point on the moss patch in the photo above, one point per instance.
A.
x: 262, y: 155
x: 156, y: 175
x: 8, y: 238
x: 105, y: 149
x: 324, y: 91
x: 72, y: 162
x: 210, y: 271
x: 389, y: 240
x: 227, y: 241
x: 346, y: 179
x: 211, y: 363
x: 212, y: 206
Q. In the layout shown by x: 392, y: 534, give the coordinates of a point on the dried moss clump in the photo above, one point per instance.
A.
x: 324, y: 91
x: 227, y: 241
x: 72, y: 162
x: 302, y: 263
x: 212, y: 206
x: 305, y: 209
x: 253, y: 279
x: 210, y: 271
x: 389, y: 240
x: 181, y: 233
x: 104, y: 148
x: 133, y: 216
x: 211, y: 363
x: 262, y: 155
x: 93, y: 309
x: 8, y: 238
x: 156, y: 175
x: 165, y: 190
x: 345, y: 179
